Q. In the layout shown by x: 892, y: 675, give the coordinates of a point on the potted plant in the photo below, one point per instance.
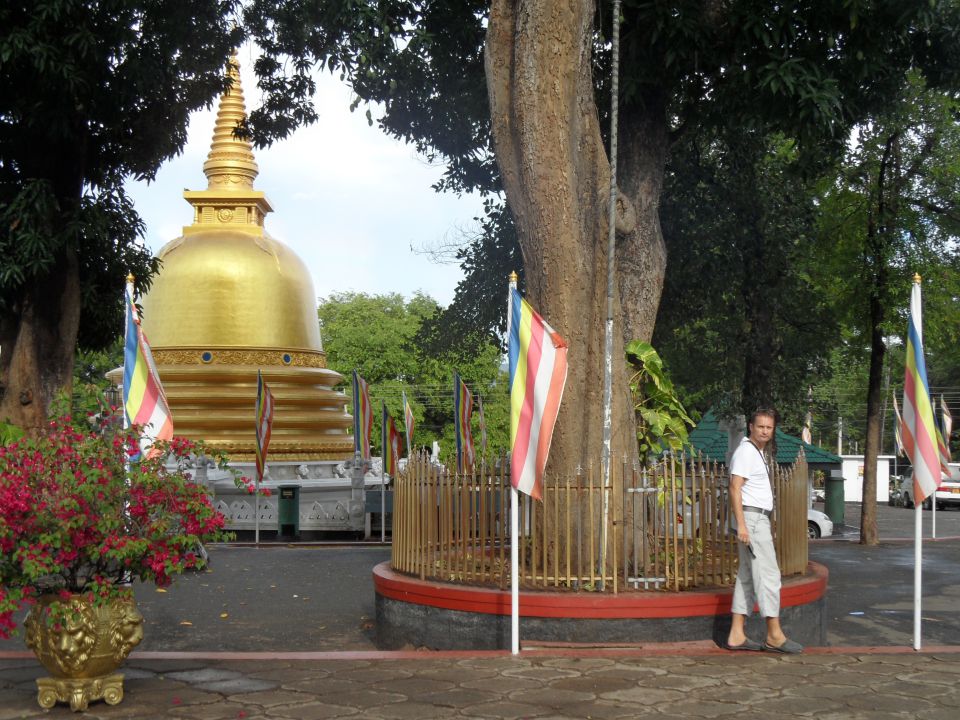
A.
x: 81, y: 517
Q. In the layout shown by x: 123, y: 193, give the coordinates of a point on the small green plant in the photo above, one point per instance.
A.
x: 662, y: 421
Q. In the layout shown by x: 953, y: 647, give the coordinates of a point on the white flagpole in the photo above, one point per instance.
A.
x: 256, y: 512
x: 383, y: 474
x: 514, y: 513
x: 917, y: 570
x: 514, y: 572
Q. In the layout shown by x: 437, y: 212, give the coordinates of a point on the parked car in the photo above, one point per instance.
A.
x: 947, y: 495
x: 819, y: 524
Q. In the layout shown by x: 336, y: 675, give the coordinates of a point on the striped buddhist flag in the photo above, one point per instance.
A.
x: 144, y: 402
x: 944, y: 430
x: 538, y: 373
x: 919, y: 429
x: 362, y: 416
x: 483, y: 427
x: 462, y: 417
x: 390, y: 442
x: 409, y: 422
x: 897, y: 425
x: 264, y: 415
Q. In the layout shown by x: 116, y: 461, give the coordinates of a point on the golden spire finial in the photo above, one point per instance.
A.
x: 916, y: 277
x: 230, y: 164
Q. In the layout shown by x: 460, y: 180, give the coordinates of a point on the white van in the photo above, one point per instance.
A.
x: 947, y: 495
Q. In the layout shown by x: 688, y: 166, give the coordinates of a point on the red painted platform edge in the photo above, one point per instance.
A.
x: 629, y: 604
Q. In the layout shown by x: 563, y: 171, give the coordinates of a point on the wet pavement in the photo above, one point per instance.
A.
x: 287, y: 632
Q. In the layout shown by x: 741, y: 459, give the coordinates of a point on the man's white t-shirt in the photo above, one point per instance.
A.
x: 748, y: 463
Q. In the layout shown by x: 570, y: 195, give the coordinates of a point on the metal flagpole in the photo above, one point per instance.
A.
x: 917, y: 563
x: 514, y: 572
x: 611, y: 266
x: 514, y: 511
x: 383, y: 473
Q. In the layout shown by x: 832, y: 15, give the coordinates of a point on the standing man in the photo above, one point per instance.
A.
x: 758, y: 580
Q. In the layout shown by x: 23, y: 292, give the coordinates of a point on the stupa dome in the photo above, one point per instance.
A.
x: 230, y: 301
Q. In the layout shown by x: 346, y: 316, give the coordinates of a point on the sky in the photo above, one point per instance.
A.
x: 353, y: 203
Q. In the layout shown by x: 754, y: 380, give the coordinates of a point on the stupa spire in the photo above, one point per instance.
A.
x: 230, y: 164
x: 230, y: 169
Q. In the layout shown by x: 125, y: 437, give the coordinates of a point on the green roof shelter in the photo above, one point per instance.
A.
x: 712, y: 440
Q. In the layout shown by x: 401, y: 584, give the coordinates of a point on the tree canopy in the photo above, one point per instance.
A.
x: 377, y: 336
x: 91, y: 93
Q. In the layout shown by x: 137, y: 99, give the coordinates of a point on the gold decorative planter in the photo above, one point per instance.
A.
x: 82, y: 650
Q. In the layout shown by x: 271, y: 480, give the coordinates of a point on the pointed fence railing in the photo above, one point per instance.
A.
x: 668, y: 527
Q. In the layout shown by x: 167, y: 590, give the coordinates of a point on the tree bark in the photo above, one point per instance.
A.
x: 557, y: 175
x: 39, y: 340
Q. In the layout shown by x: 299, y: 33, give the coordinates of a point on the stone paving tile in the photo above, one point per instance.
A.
x: 409, y: 711
x: 495, y: 663
x: 455, y: 673
x: 594, y: 683
x: 327, y: 685
x: 369, y: 698
x: 929, y: 676
x: 643, y: 696
x: 888, y: 703
x: 236, y: 686
x: 203, y: 675
x: 797, y: 706
x: 626, y: 671
x: 222, y: 710
x: 503, y: 710
x: 550, y: 697
x: 581, y: 664
x: 503, y: 684
x: 699, y: 708
x: 540, y: 673
x: 742, y: 693
x: 456, y: 697
x: 287, y: 673
x: 822, y: 689
x: 271, y: 698
x: 605, y: 710
x: 680, y: 681
x: 413, y: 685
x: 937, y: 714
x: 314, y: 711
x: 386, y: 671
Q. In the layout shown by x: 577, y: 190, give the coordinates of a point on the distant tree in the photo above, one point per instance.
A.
x: 894, y: 208
x: 377, y: 336
x: 91, y: 93
x: 741, y: 325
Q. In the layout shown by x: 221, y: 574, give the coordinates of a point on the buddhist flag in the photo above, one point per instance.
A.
x: 897, y: 433
x: 483, y: 427
x: 264, y: 414
x: 390, y: 442
x: 943, y: 436
x: 409, y: 422
x: 144, y: 402
x: 462, y: 417
x: 538, y: 373
x: 362, y: 416
x: 919, y: 429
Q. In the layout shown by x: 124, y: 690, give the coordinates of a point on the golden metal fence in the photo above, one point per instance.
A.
x: 663, y: 527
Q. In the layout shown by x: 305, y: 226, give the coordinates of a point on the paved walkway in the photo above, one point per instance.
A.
x: 675, y: 683
x: 286, y: 599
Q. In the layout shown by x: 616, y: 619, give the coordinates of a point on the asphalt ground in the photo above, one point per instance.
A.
x: 313, y: 597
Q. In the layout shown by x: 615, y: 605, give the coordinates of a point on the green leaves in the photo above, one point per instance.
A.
x: 662, y: 421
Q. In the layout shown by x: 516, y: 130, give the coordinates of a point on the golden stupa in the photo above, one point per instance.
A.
x: 230, y: 300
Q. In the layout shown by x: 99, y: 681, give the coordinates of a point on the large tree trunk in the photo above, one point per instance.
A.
x: 557, y: 175
x: 39, y: 339
x: 557, y: 179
